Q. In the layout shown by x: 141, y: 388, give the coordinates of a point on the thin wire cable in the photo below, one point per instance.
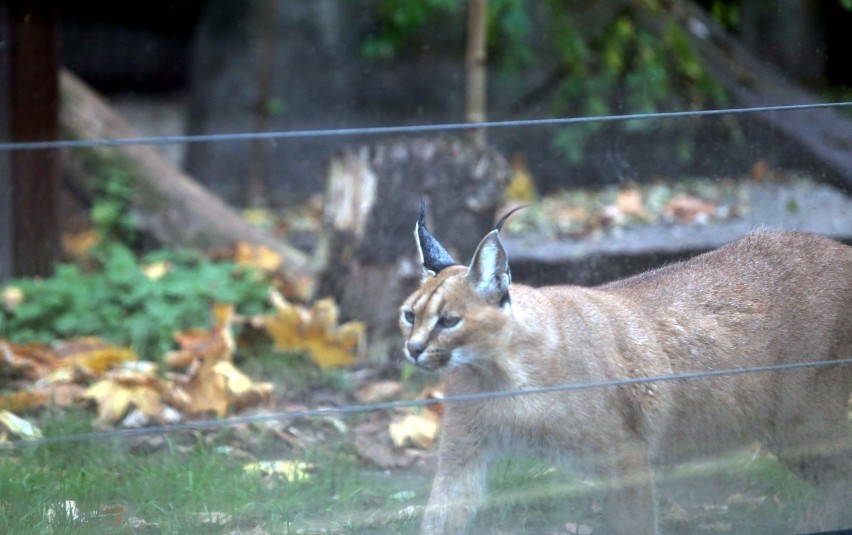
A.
x: 391, y: 405
x: 385, y: 130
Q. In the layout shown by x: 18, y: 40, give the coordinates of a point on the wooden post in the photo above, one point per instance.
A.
x: 33, y: 105
x: 475, y: 67
x: 5, y: 166
x: 257, y: 197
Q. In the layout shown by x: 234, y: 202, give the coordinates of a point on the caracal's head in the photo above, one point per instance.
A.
x: 457, y: 315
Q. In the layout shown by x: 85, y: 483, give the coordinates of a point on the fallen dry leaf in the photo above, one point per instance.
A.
x: 219, y: 387
x: 12, y: 297
x: 743, y: 502
x: 140, y: 525
x: 215, y: 344
x: 68, y: 509
x: 373, y: 444
x: 434, y: 392
x: 91, y: 355
x: 315, y: 331
x: 256, y: 530
x: 156, y: 270
x: 23, y: 399
x: 77, y: 245
x: 378, y: 391
x: 687, y: 209
x: 716, y: 527
x: 213, y: 518
x: 760, y: 170
x: 521, y: 187
x: 417, y: 430
x: 257, y: 256
x: 677, y: 515
x: 629, y: 202
x: 290, y: 471
x: 17, y: 426
x: 122, y: 389
x: 32, y: 361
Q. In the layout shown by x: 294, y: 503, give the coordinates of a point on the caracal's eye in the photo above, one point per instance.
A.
x: 448, y: 322
x: 408, y: 316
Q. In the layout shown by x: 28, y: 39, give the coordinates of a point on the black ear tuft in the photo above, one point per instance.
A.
x: 433, y: 256
x: 499, y: 226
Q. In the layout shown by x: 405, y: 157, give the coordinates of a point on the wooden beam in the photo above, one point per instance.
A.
x: 5, y: 165
x: 33, y: 105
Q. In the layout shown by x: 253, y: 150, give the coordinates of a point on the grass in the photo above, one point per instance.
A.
x: 180, y: 484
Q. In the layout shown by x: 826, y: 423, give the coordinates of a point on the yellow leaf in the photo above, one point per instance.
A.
x: 18, y: 426
x: 78, y: 244
x: 629, y: 201
x: 220, y: 387
x: 259, y: 217
x: 12, y: 297
x: 215, y: 344
x: 92, y: 356
x: 521, y: 186
x: 418, y: 430
x: 23, y: 400
x: 291, y: 471
x: 687, y: 209
x: 295, y: 328
x: 156, y: 270
x: 257, y: 256
x: 30, y: 360
x: 223, y: 315
x: 112, y: 399
x: 122, y: 389
x: 378, y: 391
x: 206, y: 390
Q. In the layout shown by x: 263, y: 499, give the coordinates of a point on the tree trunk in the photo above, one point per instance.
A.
x: 170, y: 206
x: 476, y: 68
x: 367, y: 251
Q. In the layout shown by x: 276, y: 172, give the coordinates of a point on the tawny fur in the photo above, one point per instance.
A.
x: 768, y: 298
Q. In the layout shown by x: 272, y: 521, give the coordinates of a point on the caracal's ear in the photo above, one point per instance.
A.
x: 433, y: 256
x: 489, y: 269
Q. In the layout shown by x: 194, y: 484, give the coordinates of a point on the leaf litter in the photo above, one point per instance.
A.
x: 197, y: 379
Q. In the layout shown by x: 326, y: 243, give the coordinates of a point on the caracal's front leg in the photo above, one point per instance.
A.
x: 632, y: 507
x: 458, y: 487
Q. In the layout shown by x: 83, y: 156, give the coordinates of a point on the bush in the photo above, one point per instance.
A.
x: 119, y: 302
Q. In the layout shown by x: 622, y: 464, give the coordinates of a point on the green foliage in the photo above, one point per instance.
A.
x: 400, y: 21
x: 633, y: 59
x: 120, y: 303
x: 726, y: 13
x: 111, y: 209
x: 625, y: 68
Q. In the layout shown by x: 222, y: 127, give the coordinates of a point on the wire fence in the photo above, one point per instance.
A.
x: 391, y: 405
x: 411, y: 129
x: 400, y: 404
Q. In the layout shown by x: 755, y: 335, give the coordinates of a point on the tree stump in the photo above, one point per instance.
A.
x: 366, y: 256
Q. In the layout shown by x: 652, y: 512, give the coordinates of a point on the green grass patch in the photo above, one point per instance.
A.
x: 186, y: 482
x: 175, y: 487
